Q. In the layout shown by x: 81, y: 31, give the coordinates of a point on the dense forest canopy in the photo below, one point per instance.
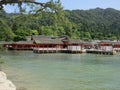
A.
x: 96, y: 23
x: 90, y: 24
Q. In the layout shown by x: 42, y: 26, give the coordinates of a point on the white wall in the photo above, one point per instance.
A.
x: 107, y: 48
x: 74, y: 48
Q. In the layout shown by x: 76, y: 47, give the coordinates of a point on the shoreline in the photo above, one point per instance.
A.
x: 6, y: 84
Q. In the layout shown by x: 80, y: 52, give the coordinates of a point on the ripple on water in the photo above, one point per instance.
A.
x: 62, y: 71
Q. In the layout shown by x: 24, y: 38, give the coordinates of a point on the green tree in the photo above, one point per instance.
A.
x: 6, y: 33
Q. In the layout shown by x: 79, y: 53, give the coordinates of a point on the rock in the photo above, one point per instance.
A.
x: 3, y: 77
x: 4, y: 83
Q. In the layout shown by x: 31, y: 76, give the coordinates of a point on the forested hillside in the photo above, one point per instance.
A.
x: 96, y: 23
x: 83, y: 24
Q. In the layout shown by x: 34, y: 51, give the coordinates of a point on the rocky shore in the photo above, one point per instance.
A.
x: 6, y: 84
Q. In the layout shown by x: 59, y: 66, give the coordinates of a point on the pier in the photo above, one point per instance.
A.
x: 92, y: 51
x: 117, y: 50
x: 44, y: 51
x: 103, y: 52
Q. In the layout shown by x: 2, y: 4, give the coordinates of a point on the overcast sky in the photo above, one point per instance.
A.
x: 81, y: 4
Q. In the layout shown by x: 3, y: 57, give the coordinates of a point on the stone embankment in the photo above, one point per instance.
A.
x: 5, y: 84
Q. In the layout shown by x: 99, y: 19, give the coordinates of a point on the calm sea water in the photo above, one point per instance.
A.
x: 62, y: 71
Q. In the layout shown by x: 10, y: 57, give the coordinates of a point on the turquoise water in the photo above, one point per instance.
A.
x: 62, y: 71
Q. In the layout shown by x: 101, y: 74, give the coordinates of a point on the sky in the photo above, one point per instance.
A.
x: 81, y: 4
x: 90, y: 4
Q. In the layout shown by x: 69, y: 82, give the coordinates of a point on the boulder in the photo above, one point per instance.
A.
x: 5, y: 84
